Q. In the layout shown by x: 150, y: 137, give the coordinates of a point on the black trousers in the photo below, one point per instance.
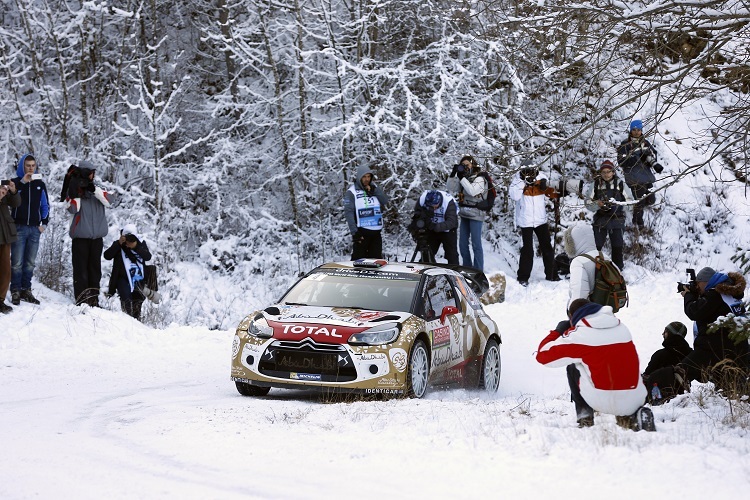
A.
x: 87, y: 269
x: 130, y: 301
x: 449, y: 241
x: 616, y: 240
x: 370, y: 245
x: 582, y: 407
x: 526, y: 262
x: 641, y: 191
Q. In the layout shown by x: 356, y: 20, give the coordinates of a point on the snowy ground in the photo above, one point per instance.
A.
x: 94, y: 404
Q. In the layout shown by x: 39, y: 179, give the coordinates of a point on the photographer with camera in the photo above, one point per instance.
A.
x: 433, y: 224
x: 529, y: 191
x: 637, y: 157
x: 364, y: 203
x: 9, y: 198
x: 87, y: 203
x: 31, y: 218
x: 710, y: 296
x: 469, y: 182
x: 129, y: 254
x: 609, y: 217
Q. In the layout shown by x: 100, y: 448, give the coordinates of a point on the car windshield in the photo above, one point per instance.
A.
x: 331, y: 289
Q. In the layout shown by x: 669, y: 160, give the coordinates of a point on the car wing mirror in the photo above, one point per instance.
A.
x: 447, y: 311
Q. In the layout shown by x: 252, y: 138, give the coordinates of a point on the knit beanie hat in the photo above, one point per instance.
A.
x: 677, y: 328
x: 606, y: 164
x: 636, y: 124
x: 705, y: 274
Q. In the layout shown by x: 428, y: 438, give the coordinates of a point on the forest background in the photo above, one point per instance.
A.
x: 230, y: 130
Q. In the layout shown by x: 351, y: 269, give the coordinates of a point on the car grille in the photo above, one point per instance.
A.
x: 307, y: 360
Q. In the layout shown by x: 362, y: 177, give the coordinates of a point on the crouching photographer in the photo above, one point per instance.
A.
x: 433, y: 224
x: 129, y: 277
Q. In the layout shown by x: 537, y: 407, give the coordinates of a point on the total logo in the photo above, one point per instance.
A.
x: 311, y: 330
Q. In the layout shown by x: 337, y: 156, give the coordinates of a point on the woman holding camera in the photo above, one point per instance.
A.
x: 129, y: 255
x: 9, y: 197
x: 466, y: 180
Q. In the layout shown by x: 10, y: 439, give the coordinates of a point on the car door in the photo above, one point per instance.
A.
x: 443, y: 324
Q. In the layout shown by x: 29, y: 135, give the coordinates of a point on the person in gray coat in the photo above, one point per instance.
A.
x: 87, y: 202
x: 637, y: 158
x: 364, y: 203
x: 9, y: 198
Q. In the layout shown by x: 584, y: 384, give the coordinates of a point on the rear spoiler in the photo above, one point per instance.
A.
x: 476, y: 278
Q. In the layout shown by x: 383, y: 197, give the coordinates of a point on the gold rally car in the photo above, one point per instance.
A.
x: 371, y: 327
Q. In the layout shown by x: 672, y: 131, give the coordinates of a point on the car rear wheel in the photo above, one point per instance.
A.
x: 419, y: 370
x: 251, y: 390
x: 489, y: 378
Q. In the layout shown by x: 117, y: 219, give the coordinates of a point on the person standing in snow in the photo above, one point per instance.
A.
x: 87, y: 203
x: 441, y: 230
x: 604, y: 374
x: 714, y: 295
x: 637, y: 158
x: 467, y: 181
x: 129, y: 254
x: 528, y: 191
x: 9, y: 198
x: 609, y: 217
x: 364, y: 203
x: 31, y: 218
x: 578, y: 239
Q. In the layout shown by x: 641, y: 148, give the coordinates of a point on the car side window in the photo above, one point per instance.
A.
x: 464, y: 289
x: 437, y: 293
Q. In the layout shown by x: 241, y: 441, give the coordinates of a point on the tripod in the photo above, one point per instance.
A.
x: 423, y: 247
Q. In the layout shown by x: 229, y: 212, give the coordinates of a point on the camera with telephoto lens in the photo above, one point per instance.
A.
x: 691, y: 285
x: 131, y: 238
x: 528, y: 174
x: 151, y: 295
x: 420, y: 222
x: 460, y: 167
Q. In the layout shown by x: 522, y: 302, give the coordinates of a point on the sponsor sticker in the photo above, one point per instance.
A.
x: 441, y: 335
x: 305, y: 376
x: 235, y: 346
x: 399, y: 358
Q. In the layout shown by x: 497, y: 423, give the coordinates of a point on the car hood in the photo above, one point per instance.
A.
x: 325, y: 324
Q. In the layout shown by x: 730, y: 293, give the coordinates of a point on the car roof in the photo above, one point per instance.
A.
x: 381, y: 265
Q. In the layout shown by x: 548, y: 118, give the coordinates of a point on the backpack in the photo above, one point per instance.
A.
x: 488, y: 202
x: 610, y: 288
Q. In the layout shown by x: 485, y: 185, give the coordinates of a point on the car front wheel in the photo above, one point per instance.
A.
x: 419, y: 370
x: 251, y: 390
x: 490, y: 377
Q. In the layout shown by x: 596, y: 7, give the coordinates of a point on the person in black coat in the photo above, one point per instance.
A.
x: 717, y: 294
x: 675, y: 348
x: 129, y: 255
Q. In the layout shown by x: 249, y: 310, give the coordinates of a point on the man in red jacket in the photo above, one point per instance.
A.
x: 602, y: 364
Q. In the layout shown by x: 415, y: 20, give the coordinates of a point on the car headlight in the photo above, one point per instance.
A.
x: 381, y: 334
x: 259, y: 327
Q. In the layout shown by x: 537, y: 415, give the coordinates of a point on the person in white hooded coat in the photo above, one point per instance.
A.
x: 578, y: 239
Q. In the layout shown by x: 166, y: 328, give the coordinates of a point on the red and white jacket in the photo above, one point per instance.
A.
x: 603, y: 351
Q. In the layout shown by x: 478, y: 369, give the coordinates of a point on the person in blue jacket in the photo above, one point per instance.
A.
x: 31, y: 218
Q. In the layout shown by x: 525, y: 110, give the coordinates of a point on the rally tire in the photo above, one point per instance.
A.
x: 418, y: 373
x: 489, y: 377
x: 251, y: 390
